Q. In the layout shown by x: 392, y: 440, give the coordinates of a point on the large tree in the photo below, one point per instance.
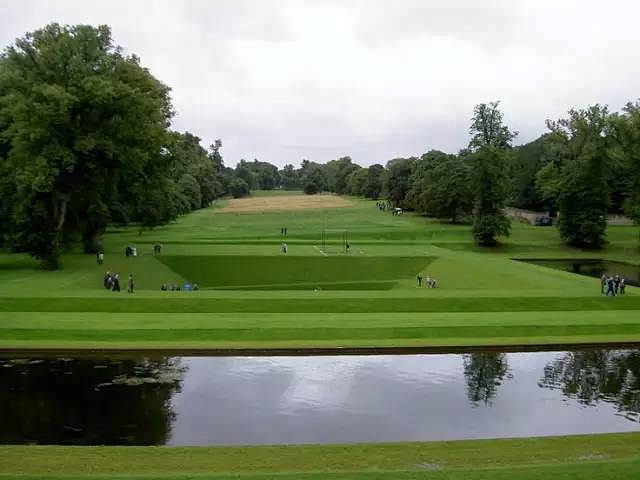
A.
x: 374, y: 184
x: 84, y: 126
x: 337, y: 173
x: 626, y: 129
x: 580, y: 147
x: 398, y: 180
x: 490, y: 144
x: 441, y: 186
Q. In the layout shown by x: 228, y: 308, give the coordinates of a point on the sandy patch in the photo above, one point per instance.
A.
x: 284, y: 202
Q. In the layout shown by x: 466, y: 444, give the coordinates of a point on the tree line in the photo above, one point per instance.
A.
x: 584, y: 168
x: 85, y: 142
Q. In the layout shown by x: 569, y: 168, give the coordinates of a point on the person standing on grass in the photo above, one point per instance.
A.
x: 603, y: 284
x: 130, y: 283
x: 610, y: 287
x: 427, y: 281
x: 116, y: 283
x: 616, y: 283
x: 622, y: 286
x: 107, y: 281
x: 419, y: 279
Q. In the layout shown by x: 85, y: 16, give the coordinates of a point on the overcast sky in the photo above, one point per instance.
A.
x: 287, y: 80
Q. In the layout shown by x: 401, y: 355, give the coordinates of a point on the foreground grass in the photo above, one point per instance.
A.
x: 608, y: 456
x: 124, y: 329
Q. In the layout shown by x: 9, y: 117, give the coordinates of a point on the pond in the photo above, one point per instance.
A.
x: 317, y: 399
x: 591, y: 267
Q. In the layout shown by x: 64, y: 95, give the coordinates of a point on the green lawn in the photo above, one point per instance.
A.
x: 252, y: 296
x: 612, y: 456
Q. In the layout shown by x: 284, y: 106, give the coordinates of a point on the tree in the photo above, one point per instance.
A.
x: 190, y: 158
x: 313, y: 177
x: 440, y: 186
x: 398, y: 180
x: 243, y: 171
x: 239, y: 188
x: 374, y: 182
x: 289, y: 178
x: 526, y: 162
x: 490, y: 142
x: 626, y: 129
x: 337, y: 172
x: 356, y: 181
x: 72, y: 107
x: 580, y: 146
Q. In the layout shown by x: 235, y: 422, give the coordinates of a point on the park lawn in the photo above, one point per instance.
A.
x: 608, y: 456
x: 111, y: 330
x: 253, y: 297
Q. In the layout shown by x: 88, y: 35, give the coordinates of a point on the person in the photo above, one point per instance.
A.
x: 286, y: 231
x: 195, y: 287
x: 100, y: 258
x: 163, y: 287
x: 610, y: 286
x: 107, y: 280
x: 348, y: 247
x: 603, y: 284
x: 616, y: 284
x: 434, y: 283
x: 130, y: 283
x: 420, y: 279
x: 116, y: 283
x: 427, y: 281
x: 622, y: 286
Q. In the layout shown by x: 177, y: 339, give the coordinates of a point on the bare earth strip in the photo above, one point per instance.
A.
x: 288, y: 202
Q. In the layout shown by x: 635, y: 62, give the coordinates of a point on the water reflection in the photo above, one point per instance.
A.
x: 598, y: 375
x: 87, y: 402
x: 484, y: 373
x: 331, y: 399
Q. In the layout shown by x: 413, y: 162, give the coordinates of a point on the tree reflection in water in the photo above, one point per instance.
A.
x: 591, y: 376
x: 484, y: 373
x: 88, y: 402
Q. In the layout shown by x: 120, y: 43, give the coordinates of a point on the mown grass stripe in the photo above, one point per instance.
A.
x: 316, y: 305
x: 332, y: 334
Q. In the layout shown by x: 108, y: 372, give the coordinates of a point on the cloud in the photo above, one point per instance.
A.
x: 287, y: 80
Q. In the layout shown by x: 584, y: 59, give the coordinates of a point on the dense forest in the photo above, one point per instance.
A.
x: 86, y: 142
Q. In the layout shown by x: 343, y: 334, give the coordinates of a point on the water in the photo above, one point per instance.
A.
x: 327, y: 399
x: 592, y: 268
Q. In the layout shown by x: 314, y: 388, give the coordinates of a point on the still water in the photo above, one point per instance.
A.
x: 592, y: 268
x: 322, y: 399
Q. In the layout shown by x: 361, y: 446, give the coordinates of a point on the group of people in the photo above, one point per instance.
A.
x: 284, y: 231
x: 172, y: 287
x: 429, y: 282
x: 382, y: 206
x: 612, y: 286
x: 111, y: 282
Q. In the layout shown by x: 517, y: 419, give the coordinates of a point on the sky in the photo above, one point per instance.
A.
x: 286, y: 80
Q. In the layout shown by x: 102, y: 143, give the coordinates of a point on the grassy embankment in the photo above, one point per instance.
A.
x: 253, y: 297
x: 615, y: 456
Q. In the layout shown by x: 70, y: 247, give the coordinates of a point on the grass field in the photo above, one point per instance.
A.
x: 603, y: 457
x: 252, y: 296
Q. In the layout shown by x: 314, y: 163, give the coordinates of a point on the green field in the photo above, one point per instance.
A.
x: 252, y: 296
x: 609, y: 457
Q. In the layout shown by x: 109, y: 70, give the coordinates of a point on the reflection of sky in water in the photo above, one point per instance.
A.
x: 371, y: 398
